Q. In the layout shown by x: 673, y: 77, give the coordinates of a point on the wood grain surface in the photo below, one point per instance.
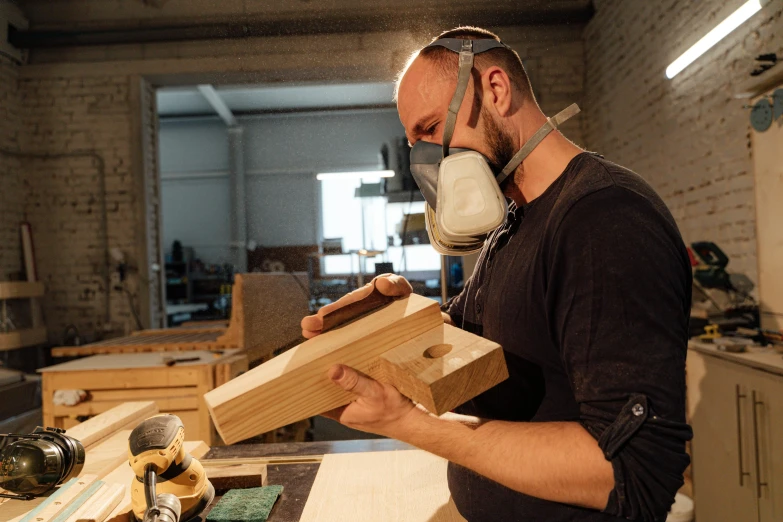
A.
x: 393, y: 486
x: 295, y: 385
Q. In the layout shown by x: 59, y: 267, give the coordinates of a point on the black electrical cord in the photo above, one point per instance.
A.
x: 132, y: 307
x: 305, y: 291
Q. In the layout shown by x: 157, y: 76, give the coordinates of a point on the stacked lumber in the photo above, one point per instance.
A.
x: 404, y: 343
x: 265, y: 314
x: 101, y: 492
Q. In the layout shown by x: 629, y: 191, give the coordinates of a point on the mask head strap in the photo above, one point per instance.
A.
x: 467, y: 49
x: 550, y: 125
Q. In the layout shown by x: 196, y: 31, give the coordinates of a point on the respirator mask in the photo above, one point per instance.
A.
x: 464, y: 201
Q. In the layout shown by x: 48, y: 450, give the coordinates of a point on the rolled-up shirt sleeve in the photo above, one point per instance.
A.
x: 618, y: 310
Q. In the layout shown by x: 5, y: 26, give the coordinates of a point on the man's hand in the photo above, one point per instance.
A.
x: 378, y: 408
x: 387, y: 284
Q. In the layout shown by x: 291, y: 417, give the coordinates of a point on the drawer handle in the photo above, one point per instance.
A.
x: 742, y: 472
x: 759, y: 483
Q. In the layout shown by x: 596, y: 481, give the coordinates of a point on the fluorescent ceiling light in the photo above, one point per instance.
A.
x: 736, y: 19
x: 355, y: 175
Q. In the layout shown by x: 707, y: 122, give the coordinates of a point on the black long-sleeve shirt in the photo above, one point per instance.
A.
x: 587, y: 288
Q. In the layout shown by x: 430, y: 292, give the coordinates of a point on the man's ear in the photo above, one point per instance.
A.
x: 497, y: 89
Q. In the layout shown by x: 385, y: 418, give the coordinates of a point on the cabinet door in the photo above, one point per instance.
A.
x: 719, y: 402
x: 768, y: 441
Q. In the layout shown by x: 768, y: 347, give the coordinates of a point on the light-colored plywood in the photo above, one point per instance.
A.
x: 444, y: 368
x: 93, y: 430
x: 295, y: 385
x: 389, y: 486
x: 98, y: 507
x: 88, y: 408
x: 123, y: 474
x: 768, y: 169
x: 102, y: 458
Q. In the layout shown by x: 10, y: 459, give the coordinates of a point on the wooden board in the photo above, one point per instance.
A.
x: 225, y: 474
x: 98, y: 507
x: 388, y: 486
x: 53, y: 505
x: 102, y: 458
x: 123, y: 474
x: 295, y: 385
x: 126, y: 415
x: 124, y: 361
x: 20, y: 289
x: 20, y: 338
x: 444, y: 368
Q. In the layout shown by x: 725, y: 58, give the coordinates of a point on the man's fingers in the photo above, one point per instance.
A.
x: 312, y: 324
x: 357, y: 383
x: 393, y: 285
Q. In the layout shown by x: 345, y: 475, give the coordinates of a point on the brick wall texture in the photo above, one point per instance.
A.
x: 76, y: 137
x: 689, y: 137
x: 11, y: 189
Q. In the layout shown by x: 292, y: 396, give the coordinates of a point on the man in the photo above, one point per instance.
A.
x: 586, y: 286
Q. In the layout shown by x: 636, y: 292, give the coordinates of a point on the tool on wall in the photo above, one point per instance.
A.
x: 766, y: 111
x: 170, y: 485
x: 32, y: 465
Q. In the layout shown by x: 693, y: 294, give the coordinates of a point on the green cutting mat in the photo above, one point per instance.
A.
x: 245, y: 505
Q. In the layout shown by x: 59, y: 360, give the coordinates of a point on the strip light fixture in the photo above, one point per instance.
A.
x: 723, y: 29
x: 355, y: 175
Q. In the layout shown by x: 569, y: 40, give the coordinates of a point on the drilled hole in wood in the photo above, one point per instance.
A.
x: 439, y: 350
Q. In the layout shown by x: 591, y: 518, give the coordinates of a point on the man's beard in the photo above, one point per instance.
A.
x: 499, y: 144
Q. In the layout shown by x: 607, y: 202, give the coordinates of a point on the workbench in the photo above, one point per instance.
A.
x: 113, y: 379
x: 297, y: 479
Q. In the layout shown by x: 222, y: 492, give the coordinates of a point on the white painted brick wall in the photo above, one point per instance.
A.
x: 688, y: 137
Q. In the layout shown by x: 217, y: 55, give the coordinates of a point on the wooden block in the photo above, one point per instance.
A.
x: 382, y: 486
x: 78, y: 502
x: 128, y: 414
x: 98, y: 507
x: 123, y: 474
x: 228, y: 474
x: 295, y: 385
x: 444, y: 368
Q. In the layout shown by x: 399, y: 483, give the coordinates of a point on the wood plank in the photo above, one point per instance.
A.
x: 128, y: 361
x: 21, y: 338
x: 129, y: 378
x: 102, y: 458
x: 444, y: 368
x: 236, y: 473
x: 124, y: 475
x: 101, y: 426
x: 91, y: 407
x: 142, y: 394
x: 52, y: 505
x: 20, y: 289
x: 97, y: 508
x: 295, y: 385
x: 77, y: 503
x: 383, y: 487
x: 28, y: 251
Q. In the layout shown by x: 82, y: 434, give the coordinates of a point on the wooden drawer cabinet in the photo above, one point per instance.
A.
x: 736, y: 411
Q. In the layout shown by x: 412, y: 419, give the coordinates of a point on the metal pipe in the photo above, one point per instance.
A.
x: 423, y: 19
